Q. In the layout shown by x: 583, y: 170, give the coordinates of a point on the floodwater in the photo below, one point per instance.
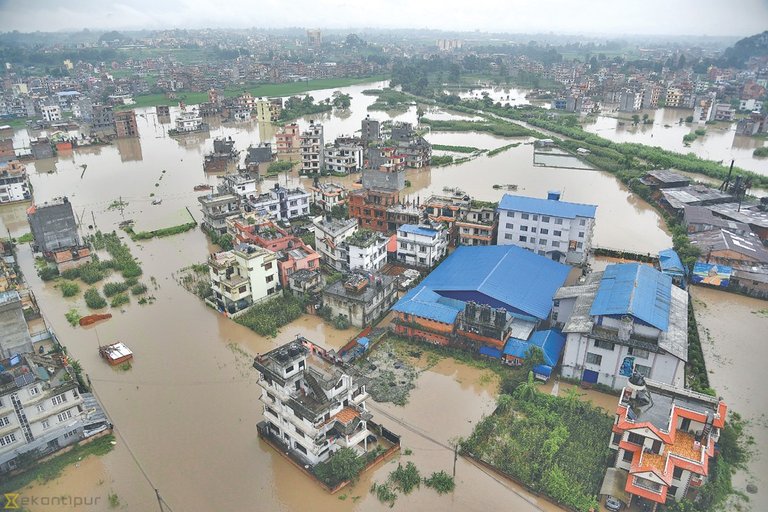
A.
x: 186, y: 411
x: 719, y: 143
x: 734, y: 350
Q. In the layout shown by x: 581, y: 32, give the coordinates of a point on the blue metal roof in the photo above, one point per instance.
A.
x: 551, y: 343
x: 669, y: 262
x: 363, y: 341
x: 542, y: 369
x: 418, y: 230
x: 490, y: 352
x: 637, y: 290
x: 551, y: 207
x: 498, y: 275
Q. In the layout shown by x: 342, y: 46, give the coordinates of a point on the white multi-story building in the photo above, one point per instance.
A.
x: 242, y: 277
x: 41, y: 409
x: 328, y: 195
x: 311, y: 408
x: 366, y: 250
x: 51, y: 113
x: 14, y: 183
x: 557, y: 229
x: 345, y: 156
x: 281, y: 203
x: 629, y: 318
x: 330, y: 238
x: 751, y: 105
x: 312, y: 149
x: 421, y: 246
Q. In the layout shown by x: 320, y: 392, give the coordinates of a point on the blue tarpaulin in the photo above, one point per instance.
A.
x: 490, y: 352
x: 364, y: 342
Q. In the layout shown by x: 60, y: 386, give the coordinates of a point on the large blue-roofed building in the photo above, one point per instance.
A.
x: 559, y: 230
x: 628, y: 318
x: 483, y: 295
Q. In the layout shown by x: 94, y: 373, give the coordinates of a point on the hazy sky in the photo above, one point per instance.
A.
x: 688, y: 17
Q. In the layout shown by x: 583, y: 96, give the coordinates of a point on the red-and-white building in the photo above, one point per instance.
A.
x: 664, y: 439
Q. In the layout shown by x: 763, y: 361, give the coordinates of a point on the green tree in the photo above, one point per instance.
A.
x: 527, y: 390
x: 341, y: 466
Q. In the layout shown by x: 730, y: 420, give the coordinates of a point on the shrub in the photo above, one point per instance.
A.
x: 119, y: 300
x: 69, y: 289
x: 93, y: 299
x: 92, y: 272
x: 442, y: 482
x: 48, y: 273
x: 73, y: 317
x: 341, y: 466
x: 111, y: 289
x: 267, y: 317
x: 341, y: 322
x: 405, y: 478
x: 138, y: 289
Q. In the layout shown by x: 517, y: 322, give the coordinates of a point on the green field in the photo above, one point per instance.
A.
x: 287, y: 89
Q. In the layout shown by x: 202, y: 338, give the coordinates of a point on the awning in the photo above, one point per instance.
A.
x: 614, y: 484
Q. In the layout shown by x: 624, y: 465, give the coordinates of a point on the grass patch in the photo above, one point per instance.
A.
x: 138, y: 289
x: 759, y: 152
x: 25, y: 238
x: 455, y: 149
x: 122, y: 260
x: 405, y: 478
x: 111, y: 289
x: 52, y: 469
x: 496, y: 151
x: 160, y: 233
x: 441, y: 482
x: 495, y: 127
x: 279, y: 166
x: 267, y: 317
x: 440, y: 161
x: 119, y: 300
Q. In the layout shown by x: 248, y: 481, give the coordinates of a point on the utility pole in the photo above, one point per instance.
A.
x: 455, y: 456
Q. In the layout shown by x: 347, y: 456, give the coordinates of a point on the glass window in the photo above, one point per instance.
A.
x: 509, y: 236
x: 525, y: 216
x: 558, y: 221
x: 524, y: 228
x: 544, y: 218
x: 511, y: 215
x: 555, y: 243
x: 522, y: 238
x: 510, y: 225
x: 594, y: 358
x: 557, y: 232
x: 544, y: 231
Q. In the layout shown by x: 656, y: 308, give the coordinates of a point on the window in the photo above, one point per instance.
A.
x: 542, y: 241
x: 677, y: 473
x: 268, y: 266
x: 64, y: 416
x: 638, y: 352
x: 510, y: 225
x: 635, y: 439
x: 581, y: 234
x: 532, y: 240
x: 627, y: 457
x: 6, y: 440
x: 557, y: 232
x: 616, y: 438
x: 544, y: 231
x: 647, y: 484
x: 607, y: 345
x: 524, y: 228
x: 555, y: 243
x: 522, y: 238
x: 511, y: 215
x: 40, y: 407
x: 525, y: 216
x: 289, y: 369
x: 4, y: 421
x: 645, y: 371
x: 535, y: 217
x: 594, y: 358
x: 59, y: 399
x: 33, y: 391
x: 544, y: 218
x: 509, y: 236
x: 558, y: 221
x: 533, y: 229
x: 45, y: 424
x: 685, y: 424
x: 242, y: 289
x: 579, y: 245
x: 270, y: 279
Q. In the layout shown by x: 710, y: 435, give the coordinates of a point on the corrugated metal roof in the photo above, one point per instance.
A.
x: 637, y: 290
x: 551, y: 343
x: 546, y: 206
x: 499, y: 275
x: 418, y: 230
x: 669, y: 261
x: 490, y: 352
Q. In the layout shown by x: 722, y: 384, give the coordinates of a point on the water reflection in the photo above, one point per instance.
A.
x: 129, y: 149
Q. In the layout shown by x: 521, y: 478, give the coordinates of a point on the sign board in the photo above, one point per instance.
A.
x: 711, y: 274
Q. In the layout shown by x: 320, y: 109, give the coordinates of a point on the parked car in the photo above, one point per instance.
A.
x: 613, y: 504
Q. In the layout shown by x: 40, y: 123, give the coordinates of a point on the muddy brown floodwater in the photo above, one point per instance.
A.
x: 186, y: 412
x: 734, y: 336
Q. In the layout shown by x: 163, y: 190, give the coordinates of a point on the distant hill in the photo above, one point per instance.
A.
x: 743, y: 50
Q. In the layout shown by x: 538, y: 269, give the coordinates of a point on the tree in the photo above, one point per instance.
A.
x: 635, y: 119
x: 341, y: 466
x: 534, y: 356
x: 419, y: 113
x: 527, y: 390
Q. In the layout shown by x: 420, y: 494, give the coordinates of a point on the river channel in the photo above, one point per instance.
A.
x: 186, y: 412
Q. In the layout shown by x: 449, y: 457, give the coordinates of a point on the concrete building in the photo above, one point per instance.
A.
x: 704, y: 108
x: 14, y: 182
x: 362, y: 297
x: 41, y: 148
x: 296, y: 257
x: 306, y: 281
x: 421, y: 246
x: 629, y: 318
x: 365, y: 250
x: 311, y: 408
x: 664, y: 440
x: 51, y: 113
x: 630, y: 101
x: 280, y: 203
x: 53, y: 225
x: 751, y: 105
x: 103, y: 119
x: 242, y: 277
x: 41, y: 408
x: 241, y: 184
x: 327, y: 195
x: 724, y: 247
x: 477, y: 226
x: 217, y: 208
x: 287, y: 140
x: 312, y: 149
x: 370, y: 130
x: 345, y: 156
x: 14, y: 333
x: 330, y: 235
x: 257, y: 155
x: 557, y: 229
x: 125, y: 124
x: 723, y: 112
x: 755, y: 216
x: 268, y: 110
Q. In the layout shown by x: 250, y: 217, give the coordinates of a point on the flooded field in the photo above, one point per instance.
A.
x: 719, y: 143
x: 186, y: 412
x: 730, y: 328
